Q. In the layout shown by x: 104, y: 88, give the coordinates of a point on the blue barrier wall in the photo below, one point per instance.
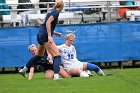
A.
x: 94, y: 42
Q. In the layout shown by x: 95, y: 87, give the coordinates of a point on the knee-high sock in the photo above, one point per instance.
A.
x: 33, y: 61
x: 92, y: 67
x: 56, y: 64
x: 95, y: 68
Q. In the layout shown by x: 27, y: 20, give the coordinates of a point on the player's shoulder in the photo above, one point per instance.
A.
x: 61, y: 46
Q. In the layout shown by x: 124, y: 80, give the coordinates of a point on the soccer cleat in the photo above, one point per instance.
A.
x: 84, y: 74
x: 89, y: 73
x: 22, y: 73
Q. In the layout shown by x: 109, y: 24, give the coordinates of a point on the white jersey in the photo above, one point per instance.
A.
x: 68, y: 56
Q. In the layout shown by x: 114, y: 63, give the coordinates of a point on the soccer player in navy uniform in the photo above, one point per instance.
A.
x: 45, y: 39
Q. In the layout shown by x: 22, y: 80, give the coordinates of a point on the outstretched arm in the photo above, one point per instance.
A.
x: 57, y: 34
x: 31, y: 73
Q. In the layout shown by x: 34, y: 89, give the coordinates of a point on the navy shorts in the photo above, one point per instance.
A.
x: 42, y: 38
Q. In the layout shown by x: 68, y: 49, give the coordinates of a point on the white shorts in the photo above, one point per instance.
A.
x: 76, y: 64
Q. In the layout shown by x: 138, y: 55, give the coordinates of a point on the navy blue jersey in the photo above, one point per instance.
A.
x: 55, y: 14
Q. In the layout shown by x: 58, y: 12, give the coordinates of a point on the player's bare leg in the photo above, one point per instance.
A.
x: 76, y: 71
x: 53, y: 50
x: 49, y: 74
x: 63, y: 73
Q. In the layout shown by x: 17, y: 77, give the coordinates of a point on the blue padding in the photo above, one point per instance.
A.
x: 94, y: 42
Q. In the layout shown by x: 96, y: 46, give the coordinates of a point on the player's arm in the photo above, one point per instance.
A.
x: 75, y: 54
x: 31, y: 73
x: 49, y: 21
x: 48, y: 25
x: 57, y: 34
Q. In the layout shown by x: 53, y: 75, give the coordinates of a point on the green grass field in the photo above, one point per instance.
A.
x: 122, y: 81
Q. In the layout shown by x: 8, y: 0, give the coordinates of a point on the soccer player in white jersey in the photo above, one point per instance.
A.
x: 70, y: 61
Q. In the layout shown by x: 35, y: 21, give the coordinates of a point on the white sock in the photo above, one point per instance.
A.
x: 24, y: 69
x: 84, y: 74
x: 56, y: 76
x: 101, y: 73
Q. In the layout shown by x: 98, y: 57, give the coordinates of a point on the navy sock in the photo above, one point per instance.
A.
x: 33, y: 61
x: 56, y: 64
x: 92, y: 67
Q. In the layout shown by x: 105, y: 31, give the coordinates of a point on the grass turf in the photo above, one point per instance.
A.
x: 122, y: 81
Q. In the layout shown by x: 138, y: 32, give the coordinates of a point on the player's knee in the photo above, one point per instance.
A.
x: 63, y: 73
x: 49, y: 74
x: 75, y: 71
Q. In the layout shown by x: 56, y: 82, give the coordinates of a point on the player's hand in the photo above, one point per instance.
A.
x: 58, y: 34
x: 51, y: 61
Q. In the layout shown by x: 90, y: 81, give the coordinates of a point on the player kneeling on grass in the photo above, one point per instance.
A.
x: 70, y: 61
x: 48, y: 65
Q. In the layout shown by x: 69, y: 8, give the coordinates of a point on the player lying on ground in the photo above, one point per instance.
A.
x: 70, y: 61
x: 46, y: 62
